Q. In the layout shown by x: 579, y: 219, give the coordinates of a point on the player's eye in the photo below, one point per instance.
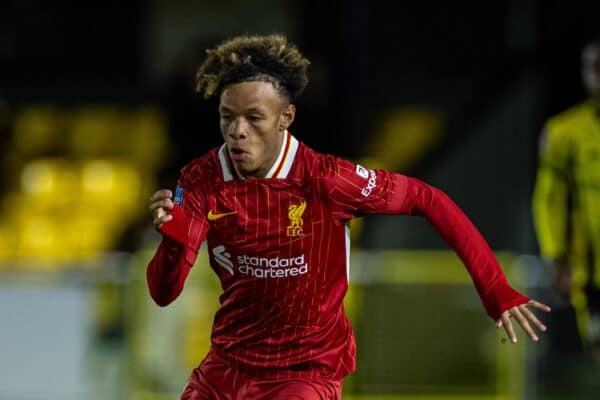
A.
x: 254, y: 118
x: 226, y: 117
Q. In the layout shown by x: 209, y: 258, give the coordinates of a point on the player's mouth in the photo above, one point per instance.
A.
x: 238, y: 154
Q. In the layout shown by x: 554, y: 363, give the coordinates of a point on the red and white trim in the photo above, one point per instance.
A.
x: 288, y: 160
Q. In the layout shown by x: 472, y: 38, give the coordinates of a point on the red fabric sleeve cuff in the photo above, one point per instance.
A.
x: 501, y: 297
x: 177, y: 228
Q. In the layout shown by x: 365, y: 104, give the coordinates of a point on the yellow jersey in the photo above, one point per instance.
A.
x: 566, y: 201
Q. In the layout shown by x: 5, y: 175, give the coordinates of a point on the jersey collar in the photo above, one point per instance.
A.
x: 280, y: 169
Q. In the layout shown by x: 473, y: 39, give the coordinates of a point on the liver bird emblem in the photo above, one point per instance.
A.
x: 295, y: 212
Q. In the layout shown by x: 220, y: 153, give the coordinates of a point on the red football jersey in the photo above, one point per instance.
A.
x: 280, y: 247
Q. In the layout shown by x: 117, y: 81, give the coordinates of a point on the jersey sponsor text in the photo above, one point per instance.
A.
x: 261, y: 267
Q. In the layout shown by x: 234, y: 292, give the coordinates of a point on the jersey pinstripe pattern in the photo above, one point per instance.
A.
x: 281, y: 313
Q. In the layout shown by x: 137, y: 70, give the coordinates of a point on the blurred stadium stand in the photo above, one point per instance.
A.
x: 83, y: 173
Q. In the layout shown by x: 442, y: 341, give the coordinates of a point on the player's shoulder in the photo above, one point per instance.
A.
x: 329, y: 169
x: 201, y: 168
x: 567, y: 121
x: 316, y: 164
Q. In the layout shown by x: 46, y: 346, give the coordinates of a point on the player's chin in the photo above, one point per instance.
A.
x: 244, y: 163
x: 246, y: 167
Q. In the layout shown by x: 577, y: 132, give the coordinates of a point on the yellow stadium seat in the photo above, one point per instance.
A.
x: 146, y: 138
x: 47, y: 241
x: 90, y: 236
x: 37, y: 129
x: 112, y: 187
x: 95, y: 132
x: 49, y: 183
x: 40, y: 242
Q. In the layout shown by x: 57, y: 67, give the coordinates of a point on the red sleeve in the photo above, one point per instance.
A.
x: 354, y: 190
x: 182, y: 237
x: 460, y: 233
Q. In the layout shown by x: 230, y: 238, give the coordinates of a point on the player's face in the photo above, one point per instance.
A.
x: 590, y: 70
x: 253, y: 117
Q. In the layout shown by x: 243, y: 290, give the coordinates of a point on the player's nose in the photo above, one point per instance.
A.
x: 239, y: 129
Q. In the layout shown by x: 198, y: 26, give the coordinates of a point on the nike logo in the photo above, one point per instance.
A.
x: 214, y: 217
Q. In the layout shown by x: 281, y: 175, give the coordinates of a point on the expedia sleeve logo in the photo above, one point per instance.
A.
x: 362, y: 171
x: 371, y: 184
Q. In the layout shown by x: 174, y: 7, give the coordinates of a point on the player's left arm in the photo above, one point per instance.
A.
x: 354, y: 190
x: 501, y: 301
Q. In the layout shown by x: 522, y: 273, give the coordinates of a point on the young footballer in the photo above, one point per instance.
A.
x: 275, y: 215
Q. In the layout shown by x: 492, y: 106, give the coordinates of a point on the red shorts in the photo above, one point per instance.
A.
x: 215, y: 380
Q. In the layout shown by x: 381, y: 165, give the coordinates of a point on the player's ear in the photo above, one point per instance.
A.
x: 287, y: 117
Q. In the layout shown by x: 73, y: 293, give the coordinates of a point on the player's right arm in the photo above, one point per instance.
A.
x: 183, y: 229
x: 550, y: 209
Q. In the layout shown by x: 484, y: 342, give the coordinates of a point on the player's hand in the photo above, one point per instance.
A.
x: 524, y: 316
x: 161, y: 205
x: 561, y: 276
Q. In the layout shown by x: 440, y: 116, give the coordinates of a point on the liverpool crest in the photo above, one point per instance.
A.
x: 295, y: 212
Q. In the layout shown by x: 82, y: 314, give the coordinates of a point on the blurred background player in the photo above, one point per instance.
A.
x: 567, y: 201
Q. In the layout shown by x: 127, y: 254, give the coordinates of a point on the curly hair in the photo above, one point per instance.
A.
x: 245, y: 58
